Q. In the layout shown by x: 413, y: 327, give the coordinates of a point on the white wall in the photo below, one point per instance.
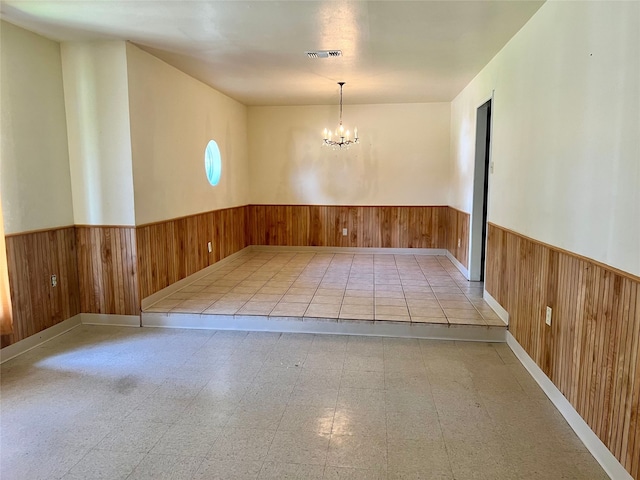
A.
x: 34, y: 160
x: 566, y: 131
x: 95, y: 88
x: 402, y: 158
x: 173, y: 117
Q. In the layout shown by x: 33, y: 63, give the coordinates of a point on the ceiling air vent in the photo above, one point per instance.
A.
x: 324, y: 53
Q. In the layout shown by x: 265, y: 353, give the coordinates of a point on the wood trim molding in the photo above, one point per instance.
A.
x: 617, y: 271
x: 341, y: 205
x: 184, y: 217
x: 460, y: 211
x: 39, y: 230
x: 80, y: 225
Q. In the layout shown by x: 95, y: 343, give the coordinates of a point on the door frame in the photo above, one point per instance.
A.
x: 476, y: 238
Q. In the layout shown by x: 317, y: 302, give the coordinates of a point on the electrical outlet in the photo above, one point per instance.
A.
x: 491, y: 167
x: 209, y: 247
x: 548, y: 319
x: 54, y: 281
x: 345, y: 232
x: 459, y: 242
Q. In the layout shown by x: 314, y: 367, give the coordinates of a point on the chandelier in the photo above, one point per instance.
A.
x: 342, y: 137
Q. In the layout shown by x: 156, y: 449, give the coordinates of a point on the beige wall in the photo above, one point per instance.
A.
x: 96, y: 97
x: 34, y: 160
x: 173, y: 117
x: 402, y: 158
x: 566, y: 131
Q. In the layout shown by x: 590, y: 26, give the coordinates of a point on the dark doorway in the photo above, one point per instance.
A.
x: 480, y: 191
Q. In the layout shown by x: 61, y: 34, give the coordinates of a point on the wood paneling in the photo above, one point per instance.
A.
x: 458, y: 229
x: 107, y: 267
x: 591, y: 351
x: 368, y: 226
x: 174, y: 249
x: 32, y: 258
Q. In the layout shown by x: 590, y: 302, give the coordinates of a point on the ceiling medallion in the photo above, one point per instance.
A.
x: 342, y: 137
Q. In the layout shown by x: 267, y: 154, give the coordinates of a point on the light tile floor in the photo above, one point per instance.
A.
x: 402, y: 288
x: 127, y: 403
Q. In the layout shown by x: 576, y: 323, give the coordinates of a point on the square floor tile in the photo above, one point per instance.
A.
x: 252, y: 415
x: 215, y: 469
x: 357, y: 451
x: 362, y: 379
x: 290, y: 471
x: 186, y: 439
x: 242, y: 444
x: 391, y: 310
x: 359, y: 422
x: 222, y: 307
x: 307, y: 418
x: 166, y: 467
x: 435, y: 320
x: 323, y: 311
x: 308, y: 447
x: 106, y: 464
x: 134, y: 436
x: 289, y: 309
x: 346, y: 473
x: 256, y: 308
x: 422, y: 457
x: 314, y: 396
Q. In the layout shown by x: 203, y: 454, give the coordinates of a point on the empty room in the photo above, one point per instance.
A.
x: 320, y: 239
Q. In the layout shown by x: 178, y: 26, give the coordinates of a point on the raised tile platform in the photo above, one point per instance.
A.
x: 412, y: 295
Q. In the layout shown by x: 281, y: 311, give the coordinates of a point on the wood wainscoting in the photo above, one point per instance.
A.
x: 591, y: 351
x: 32, y: 258
x: 458, y: 223
x: 367, y: 226
x: 171, y: 250
x: 110, y: 269
x: 107, y: 268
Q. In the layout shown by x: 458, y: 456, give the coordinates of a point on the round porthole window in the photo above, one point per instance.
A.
x: 212, y: 163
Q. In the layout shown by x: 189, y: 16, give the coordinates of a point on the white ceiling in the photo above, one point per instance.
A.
x: 254, y: 51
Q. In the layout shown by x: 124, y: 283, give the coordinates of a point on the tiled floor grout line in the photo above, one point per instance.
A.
x: 434, y: 293
x: 316, y: 289
x: 293, y: 282
x: 395, y: 262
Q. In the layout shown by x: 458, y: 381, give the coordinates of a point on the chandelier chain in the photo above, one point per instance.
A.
x: 341, y: 84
